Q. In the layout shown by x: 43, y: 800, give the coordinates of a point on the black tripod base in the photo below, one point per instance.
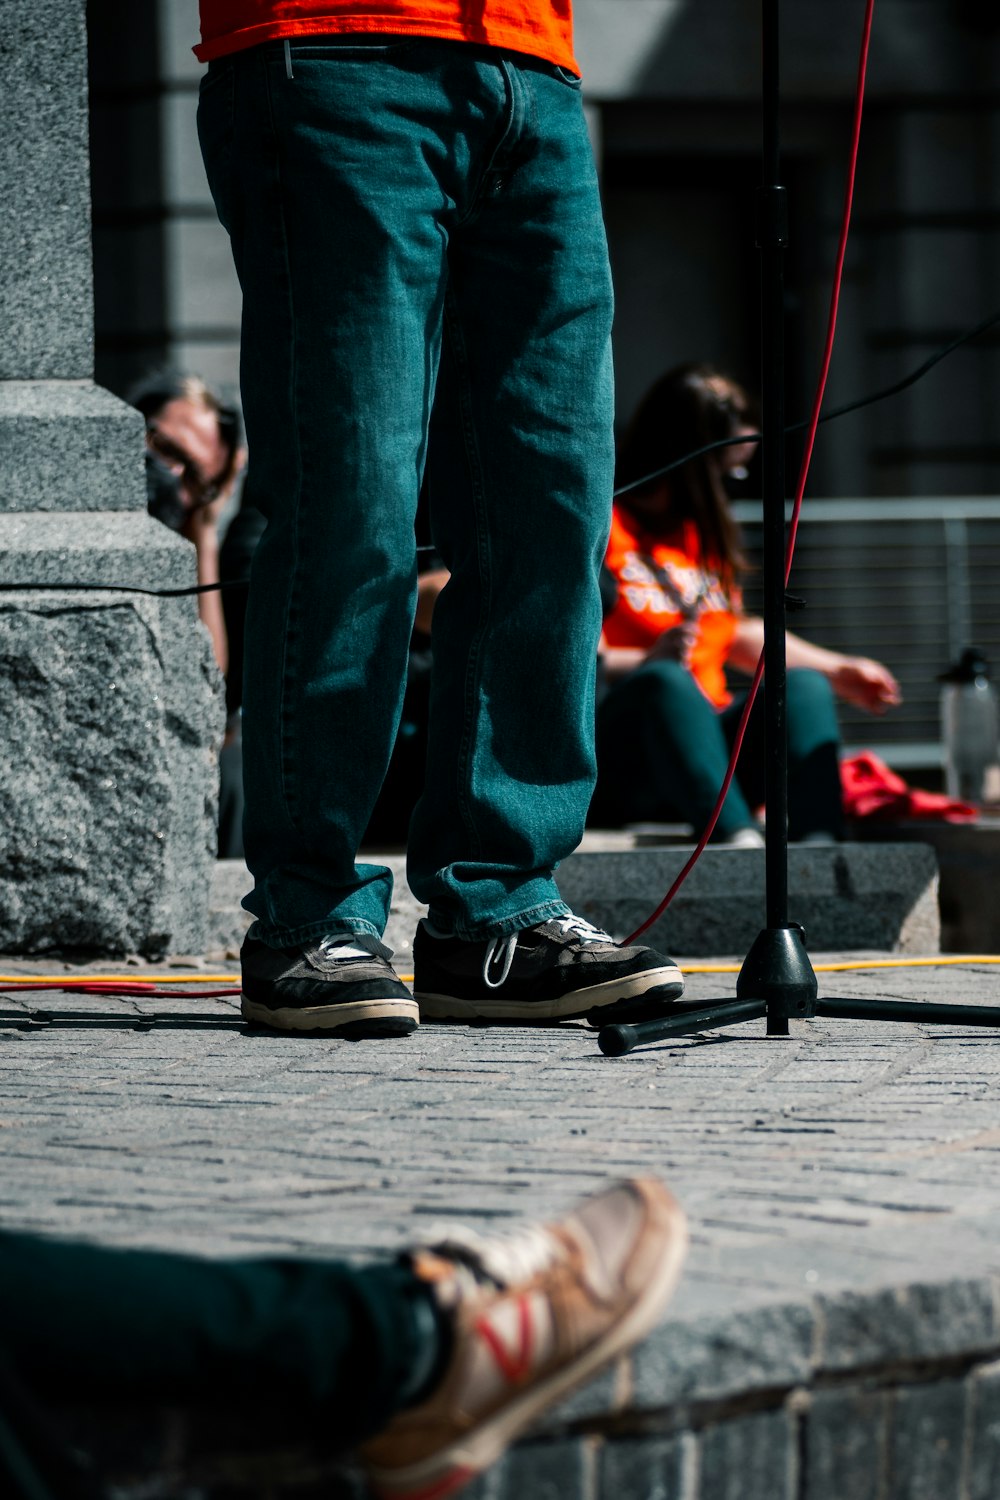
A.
x: 777, y: 970
x: 778, y: 962
x: 924, y: 1012
x: 681, y: 1020
x: 776, y: 981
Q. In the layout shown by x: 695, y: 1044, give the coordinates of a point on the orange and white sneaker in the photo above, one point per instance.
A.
x: 534, y: 1313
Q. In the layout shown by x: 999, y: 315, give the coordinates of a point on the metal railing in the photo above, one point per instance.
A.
x: 908, y: 581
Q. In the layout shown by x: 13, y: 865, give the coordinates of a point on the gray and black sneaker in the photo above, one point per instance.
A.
x: 338, y: 988
x: 556, y: 971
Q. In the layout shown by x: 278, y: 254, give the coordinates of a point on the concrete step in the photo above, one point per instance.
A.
x: 880, y: 897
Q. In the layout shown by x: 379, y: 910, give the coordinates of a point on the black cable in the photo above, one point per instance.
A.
x: 134, y: 588
x: 912, y: 378
x: 127, y: 588
x: 634, y: 484
x: 837, y: 411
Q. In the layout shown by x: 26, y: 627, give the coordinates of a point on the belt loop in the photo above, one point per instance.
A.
x: 288, y: 59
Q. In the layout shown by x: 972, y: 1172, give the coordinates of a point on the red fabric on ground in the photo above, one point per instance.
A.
x: 872, y: 790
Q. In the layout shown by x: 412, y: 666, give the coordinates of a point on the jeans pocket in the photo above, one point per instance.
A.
x: 565, y: 75
x: 216, y: 106
x: 355, y: 47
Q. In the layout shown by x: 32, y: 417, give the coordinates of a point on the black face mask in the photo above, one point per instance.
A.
x: 163, y: 493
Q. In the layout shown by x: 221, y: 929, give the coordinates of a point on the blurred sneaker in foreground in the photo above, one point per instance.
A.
x: 527, y: 1316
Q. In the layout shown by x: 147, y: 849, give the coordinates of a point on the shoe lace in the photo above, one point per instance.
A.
x: 503, y: 948
x: 573, y: 926
x: 357, y: 945
x: 503, y: 1259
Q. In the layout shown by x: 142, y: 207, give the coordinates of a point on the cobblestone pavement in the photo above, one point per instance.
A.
x: 851, y: 1155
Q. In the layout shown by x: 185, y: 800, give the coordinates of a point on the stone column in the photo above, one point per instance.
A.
x: 110, y: 703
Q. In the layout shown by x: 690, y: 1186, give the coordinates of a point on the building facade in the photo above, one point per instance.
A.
x: 673, y: 94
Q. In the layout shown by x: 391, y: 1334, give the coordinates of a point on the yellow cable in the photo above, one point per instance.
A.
x: 862, y: 963
x: 940, y: 961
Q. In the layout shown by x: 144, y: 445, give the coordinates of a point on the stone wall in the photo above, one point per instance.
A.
x: 892, y: 1395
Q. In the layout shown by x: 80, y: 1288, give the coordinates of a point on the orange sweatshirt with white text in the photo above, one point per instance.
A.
x: 663, y: 581
x: 541, y: 28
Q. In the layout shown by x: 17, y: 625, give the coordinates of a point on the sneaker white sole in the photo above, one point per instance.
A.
x: 333, y: 1017
x: 446, y: 1471
x: 491, y: 1006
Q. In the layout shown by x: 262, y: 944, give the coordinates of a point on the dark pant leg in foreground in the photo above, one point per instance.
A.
x: 329, y: 1346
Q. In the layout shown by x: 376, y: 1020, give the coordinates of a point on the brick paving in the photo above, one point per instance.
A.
x: 851, y: 1156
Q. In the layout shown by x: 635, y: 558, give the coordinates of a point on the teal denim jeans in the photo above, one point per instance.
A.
x: 417, y: 230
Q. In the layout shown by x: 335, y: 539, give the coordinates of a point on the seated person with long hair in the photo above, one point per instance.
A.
x: 666, y: 723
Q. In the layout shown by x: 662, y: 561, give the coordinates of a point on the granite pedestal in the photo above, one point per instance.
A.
x: 111, y: 702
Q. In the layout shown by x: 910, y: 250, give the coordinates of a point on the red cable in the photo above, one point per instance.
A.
x: 800, y: 488
x: 838, y: 277
x: 115, y: 987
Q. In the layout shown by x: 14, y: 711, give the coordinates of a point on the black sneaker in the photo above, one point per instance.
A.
x: 337, y: 988
x: 555, y: 971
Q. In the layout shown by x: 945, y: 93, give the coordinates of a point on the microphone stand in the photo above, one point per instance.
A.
x: 777, y: 968
x: 777, y: 980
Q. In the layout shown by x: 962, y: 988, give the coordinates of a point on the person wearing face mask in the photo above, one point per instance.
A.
x: 193, y: 461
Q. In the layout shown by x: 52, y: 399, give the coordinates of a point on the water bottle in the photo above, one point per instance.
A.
x: 969, y: 725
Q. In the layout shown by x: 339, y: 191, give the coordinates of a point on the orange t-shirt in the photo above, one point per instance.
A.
x: 542, y: 28
x: 662, y: 582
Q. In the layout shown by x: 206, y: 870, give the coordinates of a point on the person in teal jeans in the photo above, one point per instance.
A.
x: 414, y: 215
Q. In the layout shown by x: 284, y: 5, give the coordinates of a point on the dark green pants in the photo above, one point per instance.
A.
x: 331, y: 1344
x: 663, y: 749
